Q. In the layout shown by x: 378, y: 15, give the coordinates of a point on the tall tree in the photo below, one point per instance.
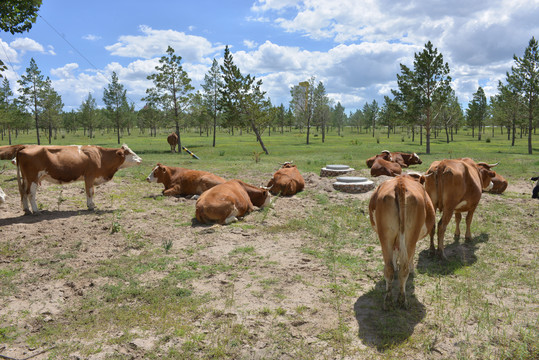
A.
x: 32, y: 86
x: 242, y: 95
x: 212, y: 83
x: 115, y: 99
x: 428, y: 82
x: 339, y: 117
x: 52, y: 108
x: 7, y: 108
x: 302, y: 103
x: 524, y: 78
x: 17, y: 16
x: 370, y: 115
x: 88, y: 114
x: 172, y: 88
x: 477, y: 111
x: 321, y: 111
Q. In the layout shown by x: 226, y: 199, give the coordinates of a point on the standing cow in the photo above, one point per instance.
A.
x: 226, y: 202
x: 64, y: 164
x: 401, y: 213
x: 173, y: 141
x: 286, y: 181
x: 455, y: 186
x: 181, y: 181
x: 2, y: 196
x: 535, y: 191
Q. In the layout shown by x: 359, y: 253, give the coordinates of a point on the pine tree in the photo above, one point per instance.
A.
x: 172, y: 91
x: 114, y: 97
x: 32, y: 86
x: 212, y: 83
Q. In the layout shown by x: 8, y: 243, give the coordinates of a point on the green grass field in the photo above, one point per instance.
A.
x: 301, y: 279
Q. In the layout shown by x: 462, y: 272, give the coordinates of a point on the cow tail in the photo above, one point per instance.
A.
x: 19, y: 181
x: 400, y: 195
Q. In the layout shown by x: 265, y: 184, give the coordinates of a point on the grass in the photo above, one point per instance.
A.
x: 308, y: 286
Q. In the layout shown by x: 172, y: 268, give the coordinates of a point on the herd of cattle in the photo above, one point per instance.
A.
x: 402, y: 210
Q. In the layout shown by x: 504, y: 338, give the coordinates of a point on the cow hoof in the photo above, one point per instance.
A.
x: 432, y: 251
x: 456, y: 238
x: 442, y: 256
x: 403, y: 303
x: 468, y: 239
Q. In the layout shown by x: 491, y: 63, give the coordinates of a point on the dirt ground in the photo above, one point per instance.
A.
x: 34, y: 244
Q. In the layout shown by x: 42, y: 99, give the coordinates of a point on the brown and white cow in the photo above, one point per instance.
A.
x: 2, y: 196
x: 286, y: 181
x: 401, y: 213
x: 182, y: 182
x: 64, y: 164
x: 386, y: 155
x: 384, y: 167
x: 226, y: 202
x: 455, y: 186
x: 499, y: 184
x: 405, y: 159
x: 172, y: 140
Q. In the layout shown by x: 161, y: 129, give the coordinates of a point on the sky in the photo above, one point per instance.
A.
x: 354, y: 47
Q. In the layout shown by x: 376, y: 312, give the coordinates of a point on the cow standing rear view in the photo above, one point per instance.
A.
x: 172, y: 140
x: 401, y: 213
x: 64, y: 164
x: 226, y: 202
x: 455, y: 186
x: 286, y: 181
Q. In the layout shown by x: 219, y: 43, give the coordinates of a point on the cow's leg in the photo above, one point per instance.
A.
x: 432, y: 250
x: 32, y: 197
x: 469, y: 217
x: 24, y: 191
x: 404, y: 272
x: 89, y: 187
x: 442, y: 227
x: 232, y: 216
x: 389, y: 270
x: 458, y: 217
x: 173, y: 191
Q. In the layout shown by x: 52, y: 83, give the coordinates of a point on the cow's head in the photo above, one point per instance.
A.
x: 287, y: 164
x: 2, y: 196
x: 157, y: 174
x: 415, y: 159
x: 386, y: 155
x: 486, y: 175
x: 419, y: 177
x: 129, y: 156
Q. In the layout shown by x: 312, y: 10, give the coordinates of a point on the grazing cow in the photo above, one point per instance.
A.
x: 173, y: 141
x: 384, y: 167
x: 535, y: 191
x: 455, y: 187
x: 286, y: 181
x: 2, y: 196
x: 405, y: 159
x: 386, y: 155
x: 226, y: 202
x: 64, y: 164
x: 499, y: 184
x: 181, y: 182
x: 401, y: 213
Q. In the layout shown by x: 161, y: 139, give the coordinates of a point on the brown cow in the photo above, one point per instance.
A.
x: 455, y: 187
x: 173, y: 141
x: 405, y: 159
x: 402, y: 213
x: 8, y: 152
x: 226, y: 202
x: 384, y: 167
x: 181, y: 181
x: 499, y: 184
x: 64, y: 164
x: 386, y: 155
x: 286, y: 181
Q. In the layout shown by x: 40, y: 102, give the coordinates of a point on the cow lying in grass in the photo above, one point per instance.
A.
x: 286, y: 181
x: 225, y: 203
x: 183, y: 182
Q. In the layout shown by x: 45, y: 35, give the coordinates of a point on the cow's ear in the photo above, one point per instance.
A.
x: 120, y: 153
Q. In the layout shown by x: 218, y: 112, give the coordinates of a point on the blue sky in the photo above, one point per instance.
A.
x: 353, y: 47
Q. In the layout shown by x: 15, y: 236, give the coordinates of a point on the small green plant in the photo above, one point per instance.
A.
x: 256, y: 156
x: 60, y: 198
x: 167, y: 245
x: 378, y: 140
x: 402, y: 138
x: 488, y: 140
x: 221, y: 153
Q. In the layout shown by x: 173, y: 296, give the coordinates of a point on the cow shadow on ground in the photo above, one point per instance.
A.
x: 385, y: 329
x: 46, y: 215
x: 459, y: 254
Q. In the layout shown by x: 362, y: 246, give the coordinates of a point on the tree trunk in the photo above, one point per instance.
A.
x: 258, y: 138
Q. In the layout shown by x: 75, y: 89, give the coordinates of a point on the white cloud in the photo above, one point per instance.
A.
x: 155, y: 43
x: 65, y: 72
x: 27, y: 45
x: 8, y: 53
x: 91, y: 37
x: 250, y: 44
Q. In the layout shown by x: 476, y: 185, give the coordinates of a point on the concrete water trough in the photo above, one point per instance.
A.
x: 353, y: 184
x: 335, y: 170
